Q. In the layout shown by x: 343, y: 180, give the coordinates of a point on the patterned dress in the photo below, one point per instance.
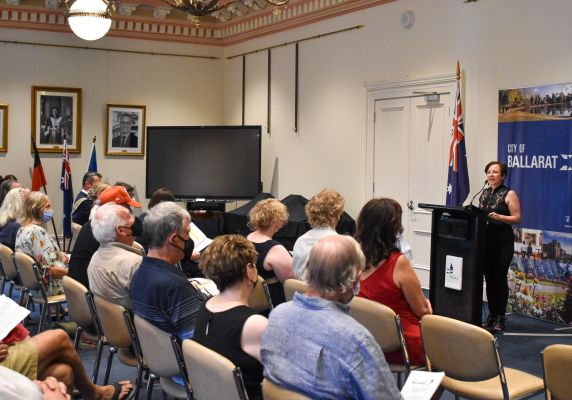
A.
x: 38, y: 244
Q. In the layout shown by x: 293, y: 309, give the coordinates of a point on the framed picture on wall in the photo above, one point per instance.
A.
x: 3, y: 128
x: 125, y: 130
x: 56, y: 116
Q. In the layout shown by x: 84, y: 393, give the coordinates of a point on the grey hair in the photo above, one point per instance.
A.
x: 12, y: 206
x: 161, y: 221
x: 106, y: 218
x: 333, y: 264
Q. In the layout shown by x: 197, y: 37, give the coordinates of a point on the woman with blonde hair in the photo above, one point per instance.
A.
x: 324, y: 211
x: 10, y: 214
x: 274, y: 263
x: 33, y: 239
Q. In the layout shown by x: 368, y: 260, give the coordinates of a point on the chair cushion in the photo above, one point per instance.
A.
x: 127, y: 356
x: 519, y: 383
x: 172, y: 388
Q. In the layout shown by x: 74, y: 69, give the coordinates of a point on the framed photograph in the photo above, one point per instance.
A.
x: 125, y: 130
x: 3, y: 128
x: 56, y: 116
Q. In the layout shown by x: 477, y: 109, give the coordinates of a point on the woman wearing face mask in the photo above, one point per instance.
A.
x: 388, y: 277
x: 225, y: 323
x: 33, y: 239
x: 503, y: 208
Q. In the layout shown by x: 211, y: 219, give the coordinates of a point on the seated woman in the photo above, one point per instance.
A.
x: 389, y: 277
x: 324, y: 211
x: 225, y: 323
x: 274, y: 263
x: 10, y: 213
x: 33, y: 239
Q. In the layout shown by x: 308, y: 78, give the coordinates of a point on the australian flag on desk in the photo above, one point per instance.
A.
x: 66, y: 186
x: 458, y: 178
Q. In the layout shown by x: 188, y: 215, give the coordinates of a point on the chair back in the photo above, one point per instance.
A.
x: 28, y: 271
x: 156, y: 348
x: 7, y: 261
x: 212, y: 376
x: 112, y: 322
x: 259, y: 299
x: 557, y: 364
x: 380, y: 320
x: 78, y: 307
x: 463, y: 351
x: 292, y: 286
x: 270, y: 391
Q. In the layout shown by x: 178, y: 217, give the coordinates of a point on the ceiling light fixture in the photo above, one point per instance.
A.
x: 90, y: 19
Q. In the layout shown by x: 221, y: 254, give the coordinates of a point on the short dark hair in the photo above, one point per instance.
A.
x: 88, y: 177
x: 378, y: 225
x: 226, y: 258
x: 160, y: 195
x: 503, y: 167
x: 130, y: 189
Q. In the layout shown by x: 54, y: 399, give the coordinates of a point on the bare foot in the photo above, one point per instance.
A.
x: 107, y: 392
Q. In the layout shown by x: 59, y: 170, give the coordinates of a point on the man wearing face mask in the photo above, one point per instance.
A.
x: 160, y: 291
x: 312, y: 345
x: 114, y: 263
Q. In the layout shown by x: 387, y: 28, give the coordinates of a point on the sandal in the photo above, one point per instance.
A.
x: 117, y: 386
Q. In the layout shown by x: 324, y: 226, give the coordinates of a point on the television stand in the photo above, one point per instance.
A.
x: 206, y: 205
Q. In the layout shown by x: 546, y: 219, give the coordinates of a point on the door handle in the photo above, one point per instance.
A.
x: 410, y: 205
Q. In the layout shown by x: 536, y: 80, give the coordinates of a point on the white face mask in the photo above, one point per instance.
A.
x: 404, y: 247
x: 357, y: 288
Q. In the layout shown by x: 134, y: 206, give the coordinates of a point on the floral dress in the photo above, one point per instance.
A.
x: 38, y: 244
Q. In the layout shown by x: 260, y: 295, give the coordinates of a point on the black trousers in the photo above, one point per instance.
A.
x: 498, y: 258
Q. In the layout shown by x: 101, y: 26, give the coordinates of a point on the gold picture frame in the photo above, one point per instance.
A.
x: 3, y: 128
x: 56, y: 116
x: 125, y: 133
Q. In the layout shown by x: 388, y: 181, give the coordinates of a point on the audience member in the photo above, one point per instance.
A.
x: 114, y: 263
x: 158, y: 196
x: 86, y: 244
x: 389, y: 277
x: 130, y: 189
x: 7, y: 185
x: 312, y: 346
x: 33, y: 239
x: 225, y: 323
x: 89, y: 179
x: 51, y: 353
x: 160, y: 291
x: 15, y: 386
x: 274, y: 263
x: 82, y: 208
x: 324, y: 211
x: 10, y: 214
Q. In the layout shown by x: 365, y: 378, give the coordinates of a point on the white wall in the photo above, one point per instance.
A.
x: 500, y: 44
x: 175, y: 90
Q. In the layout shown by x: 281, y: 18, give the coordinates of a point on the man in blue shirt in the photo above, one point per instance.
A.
x: 160, y: 292
x: 312, y: 346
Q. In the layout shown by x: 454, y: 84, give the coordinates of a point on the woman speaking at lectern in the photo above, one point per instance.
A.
x: 503, y: 209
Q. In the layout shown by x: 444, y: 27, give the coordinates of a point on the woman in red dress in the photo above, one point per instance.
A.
x: 389, y: 277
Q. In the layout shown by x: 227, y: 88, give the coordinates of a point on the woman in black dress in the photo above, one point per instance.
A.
x: 503, y: 208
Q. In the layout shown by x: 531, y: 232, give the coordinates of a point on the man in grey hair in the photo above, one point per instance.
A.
x: 312, y: 346
x: 160, y: 291
x: 112, y: 266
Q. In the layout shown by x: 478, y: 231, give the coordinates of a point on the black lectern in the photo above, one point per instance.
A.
x: 457, y: 233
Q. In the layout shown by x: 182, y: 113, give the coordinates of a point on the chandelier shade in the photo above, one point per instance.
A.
x: 90, y: 19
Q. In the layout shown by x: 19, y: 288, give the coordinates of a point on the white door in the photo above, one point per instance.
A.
x: 411, y: 138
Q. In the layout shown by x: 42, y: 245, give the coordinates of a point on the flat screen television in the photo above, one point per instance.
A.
x: 210, y: 162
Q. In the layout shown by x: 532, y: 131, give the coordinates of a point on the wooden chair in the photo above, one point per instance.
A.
x: 470, y: 358
x: 212, y: 376
x: 292, y: 286
x: 385, y: 326
x: 271, y: 391
x: 32, y: 282
x: 556, y: 368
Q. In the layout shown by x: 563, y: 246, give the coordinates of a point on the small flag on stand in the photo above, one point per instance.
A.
x: 66, y: 186
x: 92, y: 164
x: 38, y: 177
x: 458, y: 187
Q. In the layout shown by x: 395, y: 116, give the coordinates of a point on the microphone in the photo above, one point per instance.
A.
x: 473, y: 199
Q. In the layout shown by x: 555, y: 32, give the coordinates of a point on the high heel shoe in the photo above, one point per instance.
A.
x: 499, y: 324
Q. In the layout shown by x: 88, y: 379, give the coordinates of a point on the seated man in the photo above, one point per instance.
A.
x: 160, y: 291
x: 114, y: 263
x: 312, y: 346
x: 15, y: 386
x: 51, y: 353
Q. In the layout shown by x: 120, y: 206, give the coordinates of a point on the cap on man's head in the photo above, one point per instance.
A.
x: 118, y: 195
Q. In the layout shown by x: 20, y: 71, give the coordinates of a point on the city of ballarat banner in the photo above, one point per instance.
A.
x: 535, y: 141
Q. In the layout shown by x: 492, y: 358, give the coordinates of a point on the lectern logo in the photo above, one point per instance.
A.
x: 449, y: 269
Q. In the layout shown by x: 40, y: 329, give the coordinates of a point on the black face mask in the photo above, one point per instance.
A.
x: 137, y: 227
x: 188, y: 249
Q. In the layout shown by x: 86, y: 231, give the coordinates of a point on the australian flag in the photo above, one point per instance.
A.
x: 458, y: 179
x: 66, y: 186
